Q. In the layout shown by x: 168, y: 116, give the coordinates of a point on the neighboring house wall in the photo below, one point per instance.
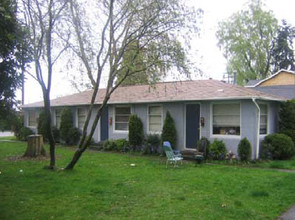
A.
x: 282, y: 78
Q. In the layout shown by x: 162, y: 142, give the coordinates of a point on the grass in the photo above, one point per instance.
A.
x: 105, y: 186
x: 9, y: 138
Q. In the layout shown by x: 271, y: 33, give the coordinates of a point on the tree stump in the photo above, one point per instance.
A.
x: 35, y: 146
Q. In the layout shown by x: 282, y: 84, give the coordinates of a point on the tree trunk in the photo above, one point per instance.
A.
x: 35, y: 146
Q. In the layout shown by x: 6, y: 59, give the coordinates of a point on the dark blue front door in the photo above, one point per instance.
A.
x: 104, y: 125
x: 192, y: 125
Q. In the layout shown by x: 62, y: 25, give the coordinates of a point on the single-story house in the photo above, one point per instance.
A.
x: 201, y: 108
x: 282, y: 83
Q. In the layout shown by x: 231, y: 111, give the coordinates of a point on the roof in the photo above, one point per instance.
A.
x: 287, y: 91
x: 197, y: 90
x: 254, y: 83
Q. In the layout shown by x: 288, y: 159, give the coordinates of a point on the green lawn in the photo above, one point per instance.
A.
x: 105, y: 186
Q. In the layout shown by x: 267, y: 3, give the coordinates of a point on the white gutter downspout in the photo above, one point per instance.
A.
x: 258, y: 129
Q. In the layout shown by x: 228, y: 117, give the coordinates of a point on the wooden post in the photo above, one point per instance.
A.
x: 35, y: 146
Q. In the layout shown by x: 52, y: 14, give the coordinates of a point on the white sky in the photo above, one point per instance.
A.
x: 212, y: 62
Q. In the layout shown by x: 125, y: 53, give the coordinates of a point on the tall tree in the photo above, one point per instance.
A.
x: 43, y: 20
x: 13, y: 55
x: 247, y: 40
x: 152, y: 25
x: 283, y: 53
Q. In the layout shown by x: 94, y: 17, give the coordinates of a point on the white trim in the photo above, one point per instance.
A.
x: 114, y: 119
x: 211, y: 122
x: 271, y: 76
x: 184, y: 112
x: 148, y: 119
x: 268, y: 118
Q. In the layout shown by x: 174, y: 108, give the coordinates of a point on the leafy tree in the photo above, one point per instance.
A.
x: 135, y: 127
x: 247, y: 39
x: 13, y: 55
x: 169, y: 132
x: 283, y: 53
x: 153, y: 25
x: 287, y: 119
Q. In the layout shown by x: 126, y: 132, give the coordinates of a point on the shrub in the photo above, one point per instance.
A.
x: 41, y: 126
x: 169, y: 131
x: 122, y: 145
x: 244, y: 150
x: 55, y: 133
x: 16, y: 125
x: 217, y: 150
x: 24, y: 133
x: 109, y: 145
x: 203, y: 145
x: 152, y: 144
x: 135, y: 134
x: 74, y: 136
x: 287, y: 119
x: 277, y: 147
x: 66, y: 124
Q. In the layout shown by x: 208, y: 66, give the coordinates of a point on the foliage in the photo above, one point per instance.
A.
x: 135, y: 135
x: 282, y: 53
x: 169, y: 132
x: 41, y: 126
x: 66, y: 123
x: 244, y: 150
x: 109, y: 145
x: 55, y: 133
x: 13, y: 55
x: 152, y: 144
x: 287, y: 119
x: 203, y: 145
x: 247, y: 39
x: 277, y: 147
x: 146, y: 185
x: 217, y: 150
x: 122, y: 145
x: 24, y: 133
x: 74, y: 136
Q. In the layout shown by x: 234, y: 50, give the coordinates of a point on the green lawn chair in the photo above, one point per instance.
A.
x: 171, y: 156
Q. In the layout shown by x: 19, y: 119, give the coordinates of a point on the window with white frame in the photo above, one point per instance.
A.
x: 81, y: 117
x: 57, y: 117
x: 155, y: 118
x: 122, y: 114
x: 226, y: 119
x: 263, y: 118
x: 32, y: 118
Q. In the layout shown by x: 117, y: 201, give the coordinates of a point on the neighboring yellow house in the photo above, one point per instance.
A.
x: 281, y: 83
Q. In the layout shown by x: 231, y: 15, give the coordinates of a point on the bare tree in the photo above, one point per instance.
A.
x: 154, y: 25
x: 42, y: 19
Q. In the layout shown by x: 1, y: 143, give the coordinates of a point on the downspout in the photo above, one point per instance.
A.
x: 257, y: 129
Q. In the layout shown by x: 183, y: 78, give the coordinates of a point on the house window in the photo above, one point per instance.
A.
x: 122, y: 118
x: 155, y: 118
x: 226, y: 119
x: 263, y: 118
x: 32, y: 119
x: 57, y: 117
x: 81, y: 117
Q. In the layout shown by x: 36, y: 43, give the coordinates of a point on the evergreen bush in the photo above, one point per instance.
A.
x: 55, y: 133
x: 169, y: 131
x: 277, y: 147
x: 135, y: 134
x: 217, y: 150
x: 287, y: 119
x: 109, y: 145
x: 24, y: 133
x: 74, y: 136
x: 244, y: 150
x: 203, y: 145
x: 66, y: 124
x: 122, y: 145
x: 41, y: 126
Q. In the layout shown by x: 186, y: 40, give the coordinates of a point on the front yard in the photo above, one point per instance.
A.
x: 105, y: 186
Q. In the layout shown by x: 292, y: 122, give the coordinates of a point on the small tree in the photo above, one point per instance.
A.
x: 66, y: 125
x: 244, y: 149
x: 169, y: 131
x: 135, y: 134
x: 287, y: 119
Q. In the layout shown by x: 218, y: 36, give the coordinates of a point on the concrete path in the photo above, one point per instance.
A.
x: 289, y: 215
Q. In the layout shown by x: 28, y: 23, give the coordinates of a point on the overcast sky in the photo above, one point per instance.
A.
x: 212, y: 62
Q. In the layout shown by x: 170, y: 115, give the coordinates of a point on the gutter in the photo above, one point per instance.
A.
x: 257, y: 128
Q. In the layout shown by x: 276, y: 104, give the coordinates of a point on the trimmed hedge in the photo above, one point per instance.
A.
x: 287, y: 119
x: 169, y: 131
x: 277, y: 147
x: 135, y: 134
x: 66, y: 125
x: 217, y: 150
x: 244, y: 150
